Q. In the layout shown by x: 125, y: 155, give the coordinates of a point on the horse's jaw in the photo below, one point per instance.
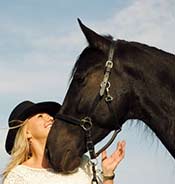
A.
x: 63, y: 150
x: 68, y: 163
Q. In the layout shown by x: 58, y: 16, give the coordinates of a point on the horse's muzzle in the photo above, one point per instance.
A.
x: 66, y: 164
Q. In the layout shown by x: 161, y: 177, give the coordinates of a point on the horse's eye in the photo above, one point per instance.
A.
x: 79, y: 78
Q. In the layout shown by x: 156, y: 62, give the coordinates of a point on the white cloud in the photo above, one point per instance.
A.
x: 28, y: 80
x: 39, y: 59
x: 3, y: 154
x: 151, y: 22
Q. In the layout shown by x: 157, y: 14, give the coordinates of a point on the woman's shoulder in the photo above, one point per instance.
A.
x: 22, y: 174
x: 14, y: 176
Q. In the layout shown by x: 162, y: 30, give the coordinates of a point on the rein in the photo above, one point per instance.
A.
x: 86, y: 122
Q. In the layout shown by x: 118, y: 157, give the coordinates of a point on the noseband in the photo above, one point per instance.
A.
x: 86, y: 122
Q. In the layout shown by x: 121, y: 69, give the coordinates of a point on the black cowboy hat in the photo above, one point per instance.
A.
x: 23, y: 111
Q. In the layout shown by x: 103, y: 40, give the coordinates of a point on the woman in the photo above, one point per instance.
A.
x: 29, y: 125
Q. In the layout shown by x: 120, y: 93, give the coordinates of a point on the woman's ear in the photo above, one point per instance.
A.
x: 29, y: 135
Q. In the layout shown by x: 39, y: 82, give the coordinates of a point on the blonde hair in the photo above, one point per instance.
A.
x: 20, y: 151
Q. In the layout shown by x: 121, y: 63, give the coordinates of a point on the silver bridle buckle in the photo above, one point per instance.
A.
x: 86, y: 123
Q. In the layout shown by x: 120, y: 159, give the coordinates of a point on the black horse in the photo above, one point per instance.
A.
x: 140, y: 85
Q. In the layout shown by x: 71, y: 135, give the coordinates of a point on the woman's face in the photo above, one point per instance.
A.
x: 38, y: 126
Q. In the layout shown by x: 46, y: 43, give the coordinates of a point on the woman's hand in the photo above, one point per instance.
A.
x: 109, y: 163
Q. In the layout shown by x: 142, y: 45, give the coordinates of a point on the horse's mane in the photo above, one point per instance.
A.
x: 132, y: 46
x: 87, y: 50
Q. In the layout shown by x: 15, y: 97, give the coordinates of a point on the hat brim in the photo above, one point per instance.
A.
x: 44, y: 107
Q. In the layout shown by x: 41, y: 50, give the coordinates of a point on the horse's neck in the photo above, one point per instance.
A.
x: 152, y: 80
x: 157, y: 113
x: 162, y: 126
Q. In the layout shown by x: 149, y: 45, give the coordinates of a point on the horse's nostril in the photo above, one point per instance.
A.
x: 47, y: 153
x: 70, y: 162
x: 66, y: 157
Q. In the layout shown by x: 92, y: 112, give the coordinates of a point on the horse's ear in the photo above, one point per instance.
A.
x: 94, y: 39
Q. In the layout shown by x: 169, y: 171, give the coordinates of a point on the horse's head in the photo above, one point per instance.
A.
x: 66, y: 142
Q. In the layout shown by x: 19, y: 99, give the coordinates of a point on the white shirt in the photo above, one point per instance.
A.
x: 26, y: 175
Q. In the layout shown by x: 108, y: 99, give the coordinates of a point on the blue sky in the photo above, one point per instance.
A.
x: 40, y: 41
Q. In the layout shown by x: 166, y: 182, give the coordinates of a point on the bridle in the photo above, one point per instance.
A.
x: 86, y: 122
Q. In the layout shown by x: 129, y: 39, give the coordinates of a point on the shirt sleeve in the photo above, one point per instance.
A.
x: 13, y: 178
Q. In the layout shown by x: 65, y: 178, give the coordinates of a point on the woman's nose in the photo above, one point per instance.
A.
x: 48, y: 117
